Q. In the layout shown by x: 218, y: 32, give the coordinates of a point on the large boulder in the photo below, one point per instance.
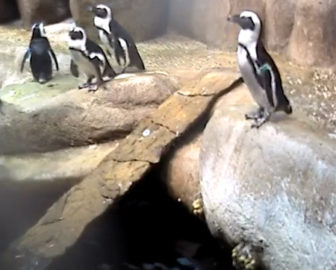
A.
x: 48, y: 11
x: 39, y: 118
x: 143, y: 19
x: 272, y: 189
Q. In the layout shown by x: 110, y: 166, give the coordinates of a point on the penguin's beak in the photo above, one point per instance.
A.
x: 234, y: 19
x: 91, y: 8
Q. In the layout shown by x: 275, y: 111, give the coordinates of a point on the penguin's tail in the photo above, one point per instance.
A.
x: 288, y: 109
x: 109, y: 72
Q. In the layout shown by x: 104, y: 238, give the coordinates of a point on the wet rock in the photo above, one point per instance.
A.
x: 48, y: 11
x: 143, y: 19
x: 272, y: 188
x: 43, y: 118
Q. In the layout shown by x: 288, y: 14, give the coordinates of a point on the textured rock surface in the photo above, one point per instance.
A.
x: 50, y: 117
x: 144, y: 19
x: 48, y: 11
x: 275, y: 185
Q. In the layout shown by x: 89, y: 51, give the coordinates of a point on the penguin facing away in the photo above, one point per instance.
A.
x: 259, y: 70
x: 40, y: 53
x: 117, y: 39
x: 89, y: 58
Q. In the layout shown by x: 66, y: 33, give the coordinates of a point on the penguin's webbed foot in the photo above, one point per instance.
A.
x: 93, y: 87
x: 84, y: 85
x: 261, y: 120
x: 255, y: 114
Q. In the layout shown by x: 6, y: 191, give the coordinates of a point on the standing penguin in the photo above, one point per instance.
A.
x: 89, y: 58
x: 258, y: 70
x: 117, y: 39
x: 40, y: 53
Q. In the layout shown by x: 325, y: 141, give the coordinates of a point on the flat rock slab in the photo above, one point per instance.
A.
x: 133, y: 157
x: 272, y: 187
x: 66, y: 164
x: 41, y: 118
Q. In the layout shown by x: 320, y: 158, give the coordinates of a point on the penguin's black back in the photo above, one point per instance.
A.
x: 265, y: 58
x: 40, y: 60
x: 120, y: 32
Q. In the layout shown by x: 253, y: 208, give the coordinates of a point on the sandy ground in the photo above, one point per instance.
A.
x: 312, y: 91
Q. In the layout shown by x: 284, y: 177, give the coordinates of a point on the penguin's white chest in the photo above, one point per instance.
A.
x: 103, y: 38
x: 250, y: 79
x: 83, y: 63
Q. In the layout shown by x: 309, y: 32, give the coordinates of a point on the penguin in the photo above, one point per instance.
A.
x: 117, y: 39
x: 259, y: 70
x: 40, y: 53
x: 89, y: 58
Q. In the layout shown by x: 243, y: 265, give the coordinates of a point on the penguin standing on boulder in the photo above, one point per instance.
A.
x: 258, y: 70
x: 40, y: 53
x: 117, y: 39
x: 89, y: 58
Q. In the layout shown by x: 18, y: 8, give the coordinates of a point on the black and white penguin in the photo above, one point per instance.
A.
x: 258, y: 70
x: 40, y: 53
x: 117, y: 39
x: 89, y: 58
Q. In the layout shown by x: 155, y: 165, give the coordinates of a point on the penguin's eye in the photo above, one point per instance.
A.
x: 101, y: 12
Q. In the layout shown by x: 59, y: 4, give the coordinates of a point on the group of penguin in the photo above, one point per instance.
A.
x: 87, y: 56
x: 257, y: 67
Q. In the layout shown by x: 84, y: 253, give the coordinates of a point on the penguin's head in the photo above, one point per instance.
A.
x: 38, y: 30
x: 250, y: 24
x: 102, y: 11
x: 77, y: 38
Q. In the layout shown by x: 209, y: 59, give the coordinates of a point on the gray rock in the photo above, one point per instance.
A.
x: 273, y: 187
x: 39, y: 118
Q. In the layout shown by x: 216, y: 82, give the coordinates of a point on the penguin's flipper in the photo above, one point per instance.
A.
x: 74, y: 69
x: 55, y: 58
x: 119, y: 52
x: 25, y: 57
x: 265, y: 79
x: 96, y: 64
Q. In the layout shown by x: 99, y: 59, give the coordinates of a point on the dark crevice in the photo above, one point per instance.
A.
x: 145, y: 228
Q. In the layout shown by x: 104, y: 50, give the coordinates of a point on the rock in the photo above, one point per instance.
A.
x: 278, y: 26
x: 208, y: 23
x: 8, y: 11
x: 39, y: 118
x: 273, y: 188
x: 64, y: 222
x: 148, y: 17
x: 48, y: 11
x: 313, y: 39
x: 181, y: 173
x: 67, y: 164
